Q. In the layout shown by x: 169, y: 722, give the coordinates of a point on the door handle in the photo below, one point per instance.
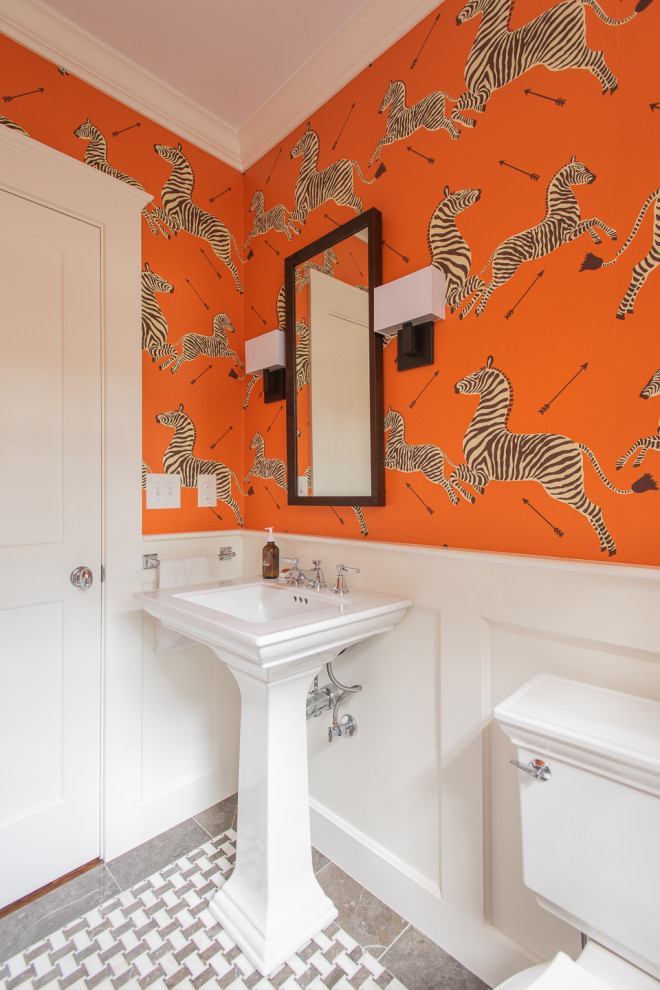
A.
x: 81, y: 577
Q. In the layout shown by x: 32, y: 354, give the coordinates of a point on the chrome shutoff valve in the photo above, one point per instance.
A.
x: 347, y: 726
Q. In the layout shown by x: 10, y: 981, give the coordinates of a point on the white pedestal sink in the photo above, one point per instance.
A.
x: 275, y: 638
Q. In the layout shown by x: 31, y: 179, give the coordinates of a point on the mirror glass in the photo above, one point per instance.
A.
x: 334, y: 361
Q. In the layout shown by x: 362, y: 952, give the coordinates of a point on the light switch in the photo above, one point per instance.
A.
x: 206, y: 490
x: 302, y: 485
x: 163, y: 491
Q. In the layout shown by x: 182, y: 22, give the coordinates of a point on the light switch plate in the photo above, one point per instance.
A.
x: 163, y: 491
x: 206, y: 491
x: 302, y: 485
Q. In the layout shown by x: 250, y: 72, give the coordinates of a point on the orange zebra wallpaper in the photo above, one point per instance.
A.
x: 514, y: 146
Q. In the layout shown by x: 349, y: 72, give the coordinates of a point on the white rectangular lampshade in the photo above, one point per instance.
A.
x: 265, y: 352
x: 415, y: 298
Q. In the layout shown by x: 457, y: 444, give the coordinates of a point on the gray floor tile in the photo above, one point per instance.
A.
x: 141, y: 862
x: 219, y: 817
x: 319, y: 861
x: 420, y: 964
x: 366, y: 919
x: 46, y: 915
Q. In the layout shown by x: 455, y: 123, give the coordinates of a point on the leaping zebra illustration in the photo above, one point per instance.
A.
x: 154, y: 324
x: 302, y: 354
x: 314, y: 188
x: 494, y: 453
x: 403, y: 121
x: 651, y: 388
x: 425, y: 457
x: 179, y: 459
x: 180, y: 213
x: 449, y: 250
x: 560, y: 225
x: 643, y: 268
x: 194, y: 345
x: 265, y: 467
x: 12, y: 125
x: 96, y: 155
x: 327, y: 268
x: 265, y: 220
x: 556, y: 39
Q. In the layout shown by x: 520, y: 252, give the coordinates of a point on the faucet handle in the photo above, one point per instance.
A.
x: 341, y: 587
x: 317, y: 581
x: 293, y: 575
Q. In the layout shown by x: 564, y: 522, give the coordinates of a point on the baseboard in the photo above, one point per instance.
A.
x: 482, y: 949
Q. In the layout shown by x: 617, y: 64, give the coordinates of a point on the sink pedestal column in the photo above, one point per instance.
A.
x: 272, y: 904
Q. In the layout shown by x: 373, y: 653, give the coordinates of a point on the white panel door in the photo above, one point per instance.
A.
x: 50, y: 523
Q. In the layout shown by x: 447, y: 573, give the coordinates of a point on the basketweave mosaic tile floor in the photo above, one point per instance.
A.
x: 159, y: 933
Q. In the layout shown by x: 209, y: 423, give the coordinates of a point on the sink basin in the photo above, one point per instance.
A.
x: 274, y: 638
x: 269, y: 624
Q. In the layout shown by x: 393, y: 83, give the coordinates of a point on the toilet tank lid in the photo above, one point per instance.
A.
x: 620, y: 726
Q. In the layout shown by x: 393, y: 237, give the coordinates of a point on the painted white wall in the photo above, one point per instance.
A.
x: 421, y: 805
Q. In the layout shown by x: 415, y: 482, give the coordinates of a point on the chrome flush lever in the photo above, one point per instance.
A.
x: 535, y: 768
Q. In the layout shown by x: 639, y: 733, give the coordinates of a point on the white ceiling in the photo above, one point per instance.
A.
x: 234, y: 76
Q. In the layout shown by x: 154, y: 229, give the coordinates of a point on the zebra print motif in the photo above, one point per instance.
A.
x: 194, y: 345
x: 302, y: 354
x: 560, y: 225
x: 180, y: 213
x: 96, y: 155
x: 651, y: 388
x: 314, y: 188
x: 265, y: 467
x: 154, y: 324
x: 555, y: 39
x: 327, y: 268
x: 493, y: 453
x: 179, y: 459
x: 265, y: 220
x: 449, y: 250
x: 643, y: 268
x: 12, y: 125
x: 407, y: 457
x: 403, y: 121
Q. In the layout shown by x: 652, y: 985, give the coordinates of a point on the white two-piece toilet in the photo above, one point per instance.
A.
x: 589, y: 769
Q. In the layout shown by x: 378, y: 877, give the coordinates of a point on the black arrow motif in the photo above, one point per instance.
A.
x: 417, y: 397
x: 277, y: 157
x: 532, y: 175
x: 195, y: 380
x: 332, y: 509
x: 216, y: 514
x: 211, y: 264
x: 558, y: 532
x: 427, y: 507
x: 123, y: 129
x: 206, y: 305
x: 414, y: 61
x: 544, y: 408
x: 277, y: 505
x: 17, y: 96
x: 557, y: 100
x: 331, y: 219
x: 431, y: 161
x: 272, y: 248
x: 272, y: 422
x: 343, y: 126
x: 212, y: 199
x: 654, y: 106
x: 353, y: 259
x: 403, y: 256
x: 507, y: 316
x: 258, y: 314
x: 216, y: 442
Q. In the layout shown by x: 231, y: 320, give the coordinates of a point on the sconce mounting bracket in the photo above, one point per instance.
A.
x: 274, y: 384
x: 415, y: 346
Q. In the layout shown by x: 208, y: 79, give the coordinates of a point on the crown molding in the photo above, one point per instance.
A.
x: 374, y: 28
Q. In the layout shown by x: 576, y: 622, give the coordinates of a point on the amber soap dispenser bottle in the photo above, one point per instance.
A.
x: 270, y: 557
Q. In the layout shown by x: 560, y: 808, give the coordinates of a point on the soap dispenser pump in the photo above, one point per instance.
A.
x: 270, y: 557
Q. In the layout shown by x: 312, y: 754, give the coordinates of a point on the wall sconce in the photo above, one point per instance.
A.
x: 409, y: 306
x: 266, y: 353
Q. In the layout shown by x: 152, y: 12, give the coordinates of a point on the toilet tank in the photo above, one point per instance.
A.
x: 591, y: 831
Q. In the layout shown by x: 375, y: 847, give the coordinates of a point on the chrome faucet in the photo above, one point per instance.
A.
x: 312, y: 578
x: 317, y: 581
x: 340, y: 586
x: 293, y: 575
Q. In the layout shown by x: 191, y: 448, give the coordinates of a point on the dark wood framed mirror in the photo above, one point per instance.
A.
x: 334, y: 361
